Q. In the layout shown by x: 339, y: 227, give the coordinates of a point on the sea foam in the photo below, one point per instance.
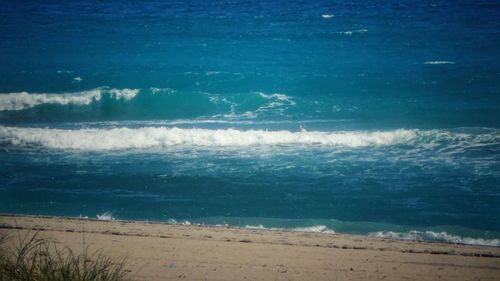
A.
x: 436, y: 237
x: 24, y: 100
x: 150, y: 137
x: 315, y: 229
x: 106, y: 216
x: 439, y: 62
x: 351, y: 32
x: 311, y: 229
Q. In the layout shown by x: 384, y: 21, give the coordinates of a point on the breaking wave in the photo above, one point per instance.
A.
x: 24, y: 100
x: 435, y: 236
x: 106, y: 216
x: 145, y: 103
x: 120, y: 138
x: 150, y: 137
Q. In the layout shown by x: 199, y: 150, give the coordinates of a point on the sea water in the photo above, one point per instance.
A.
x: 368, y: 117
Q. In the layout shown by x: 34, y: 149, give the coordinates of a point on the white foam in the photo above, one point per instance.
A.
x: 23, y: 100
x: 105, y: 217
x: 351, y: 32
x: 149, y: 137
x: 315, y: 229
x: 277, y: 102
x: 167, y: 91
x: 327, y: 16
x: 277, y: 96
x: 126, y: 94
x: 312, y: 229
x: 210, y: 73
x: 435, y: 236
x: 439, y: 62
x: 260, y: 227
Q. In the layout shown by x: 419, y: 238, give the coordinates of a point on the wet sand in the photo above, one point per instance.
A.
x: 157, y: 251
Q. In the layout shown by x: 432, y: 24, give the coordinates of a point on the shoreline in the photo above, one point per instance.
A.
x: 308, y: 229
x: 159, y: 251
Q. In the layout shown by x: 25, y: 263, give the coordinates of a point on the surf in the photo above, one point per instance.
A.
x: 25, y: 100
x: 151, y: 137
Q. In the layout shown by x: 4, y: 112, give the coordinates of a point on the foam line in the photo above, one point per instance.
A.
x: 311, y: 229
x: 149, y: 137
x: 439, y: 62
x: 436, y: 237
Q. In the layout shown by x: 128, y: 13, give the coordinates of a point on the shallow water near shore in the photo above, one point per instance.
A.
x: 365, y: 118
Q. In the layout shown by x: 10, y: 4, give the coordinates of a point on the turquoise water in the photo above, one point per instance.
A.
x: 358, y: 117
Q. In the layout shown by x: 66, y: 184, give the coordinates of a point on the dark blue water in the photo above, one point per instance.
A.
x: 358, y: 116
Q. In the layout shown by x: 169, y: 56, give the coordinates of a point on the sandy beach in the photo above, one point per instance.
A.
x: 157, y: 251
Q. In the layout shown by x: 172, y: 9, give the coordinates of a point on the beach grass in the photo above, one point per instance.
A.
x: 28, y: 257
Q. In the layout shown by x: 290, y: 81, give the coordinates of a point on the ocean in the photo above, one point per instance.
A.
x: 369, y: 117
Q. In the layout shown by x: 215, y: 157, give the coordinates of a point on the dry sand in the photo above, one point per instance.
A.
x: 158, y: 251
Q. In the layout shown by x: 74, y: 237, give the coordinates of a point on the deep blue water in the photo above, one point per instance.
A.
x: 359, y: 116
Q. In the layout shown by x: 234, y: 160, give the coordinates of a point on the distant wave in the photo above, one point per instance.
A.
x: 327, y: 16
x: 165, y: 103
x: 351, y: 32
x: 24, y: 100
x: 435, y: 236
x: 149, y: 137
x: 439, y: 62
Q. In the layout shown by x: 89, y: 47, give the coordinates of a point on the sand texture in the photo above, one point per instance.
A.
x: 158, y: 251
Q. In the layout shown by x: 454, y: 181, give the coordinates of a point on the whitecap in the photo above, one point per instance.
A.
x: 351, y: 32
x: 126, y: 94
x: 24, y: 100
x: 210, y: 73
x: 439, y: 62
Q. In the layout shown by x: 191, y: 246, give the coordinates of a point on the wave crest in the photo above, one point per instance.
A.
x: 24, y: 100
